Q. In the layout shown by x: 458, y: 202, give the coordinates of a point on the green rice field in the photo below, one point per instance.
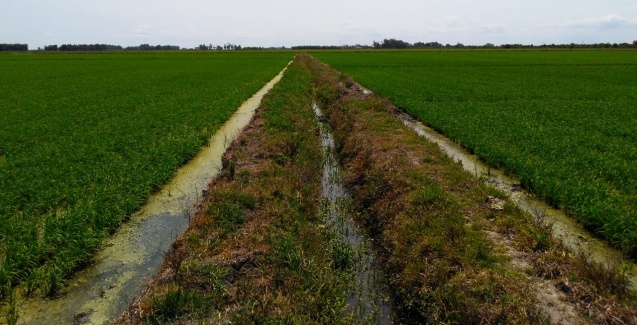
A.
x: 85, y: 139
x: 564, y: 122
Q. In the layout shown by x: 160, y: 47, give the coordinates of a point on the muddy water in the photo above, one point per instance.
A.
x: 368, y: 301
x: 571, y: 233
x: 100, y: 294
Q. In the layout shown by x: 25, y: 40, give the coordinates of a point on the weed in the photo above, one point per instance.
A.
x: 170, y: 305
x: 342, y: 254
x: 542, y: 232
x: 610, y: 277
x: 286, y: 252
x: 228, y: 216
x: 427, y: 195
x: 542, y: 239
x: 231, y: 169
x: 12, y: 315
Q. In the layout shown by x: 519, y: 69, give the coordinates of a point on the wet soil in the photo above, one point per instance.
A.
x: 369, y: 300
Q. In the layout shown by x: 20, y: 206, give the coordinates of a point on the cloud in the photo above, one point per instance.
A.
x: 456, y: 24
x: 452, y: 21
x: 604, y: 22
x: 143, y: 30
x: 492, y: 28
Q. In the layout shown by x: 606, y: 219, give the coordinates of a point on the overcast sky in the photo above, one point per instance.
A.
x: 188, y: 23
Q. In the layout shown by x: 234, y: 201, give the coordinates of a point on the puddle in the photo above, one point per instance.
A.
x: 369, y: 299
x: 98, y: 295
x: 571, y: 233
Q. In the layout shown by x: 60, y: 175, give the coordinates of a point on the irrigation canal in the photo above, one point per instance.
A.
x: 369, y: 300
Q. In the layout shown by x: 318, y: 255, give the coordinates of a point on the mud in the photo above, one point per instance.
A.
x: 101, y: 293
x: 369, y: 300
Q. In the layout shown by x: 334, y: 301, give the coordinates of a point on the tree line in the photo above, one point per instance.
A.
x: 13, y: 47
x: 393, y: 43
x: 141, y: 47
x: 316, y: 47
x: 107, y: 47
x: 148, y: 47
x: 82, y: 47
x: 227, y: 46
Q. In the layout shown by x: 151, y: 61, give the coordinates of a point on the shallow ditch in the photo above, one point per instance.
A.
x: 99, y: 294
x: 369, y: 301
x: 566, y: 229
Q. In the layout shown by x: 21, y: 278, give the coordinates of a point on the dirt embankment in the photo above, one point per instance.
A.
x: 457, y: 250
x: 258, y: 251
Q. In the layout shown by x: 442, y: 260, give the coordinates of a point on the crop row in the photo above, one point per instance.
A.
x: 85, y: 139
x: 564, y: 122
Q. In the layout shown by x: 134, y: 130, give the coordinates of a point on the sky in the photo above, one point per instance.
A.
x: 275, y: 23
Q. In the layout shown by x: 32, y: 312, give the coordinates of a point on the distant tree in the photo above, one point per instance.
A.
x: 635, y: 43
x: 489, y: 45
x: 426, y: 45
x: 14, y: 47
x: 394, y: 44
x: 146, y: 47
x: 230, y: 46
x: 85, y: 47
x: 51, y: 48
x: 316, y: 47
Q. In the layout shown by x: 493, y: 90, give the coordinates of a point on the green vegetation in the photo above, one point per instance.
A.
x: 564, y: 122
x: 85, y: 139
